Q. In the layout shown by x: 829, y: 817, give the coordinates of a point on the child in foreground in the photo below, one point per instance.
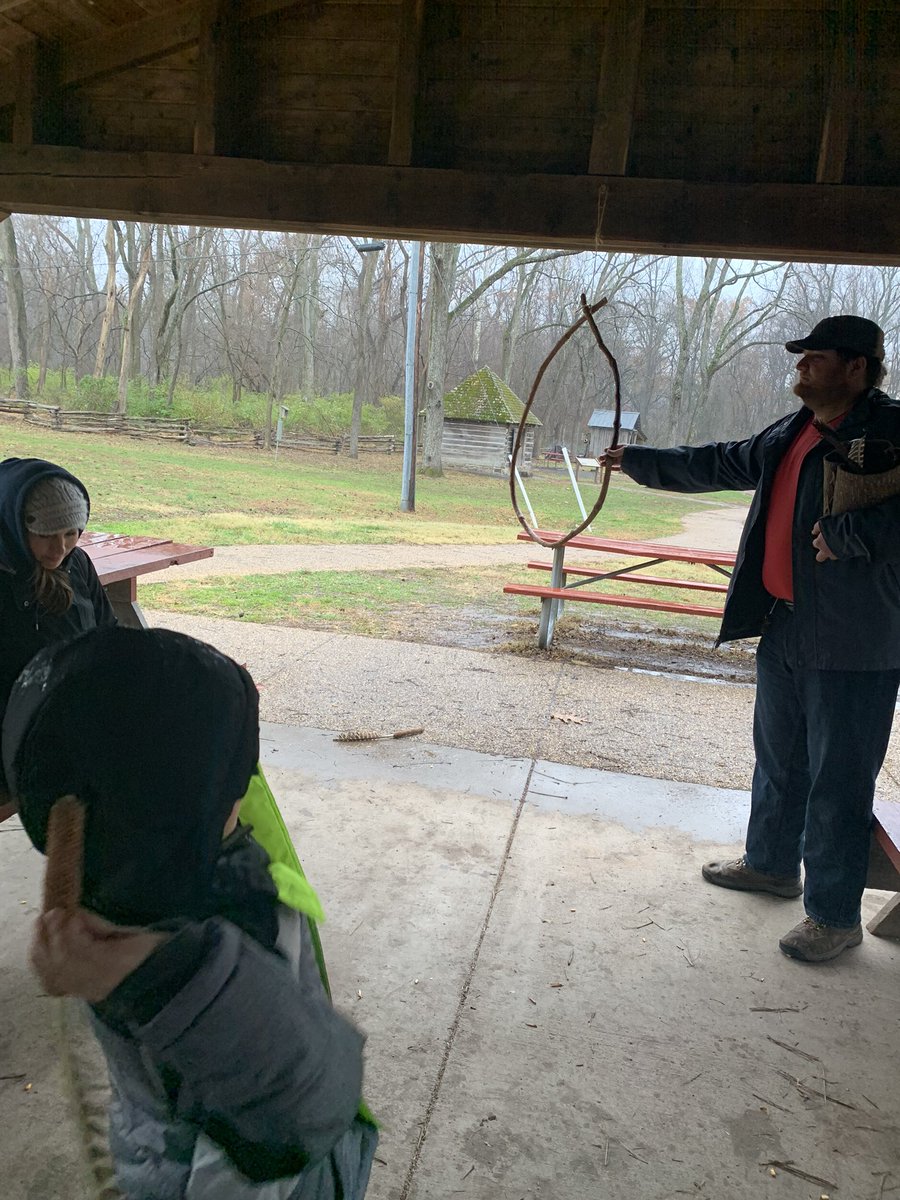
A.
x: 232, y: 1075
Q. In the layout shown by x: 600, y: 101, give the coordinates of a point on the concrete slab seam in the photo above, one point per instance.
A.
x: 473, y: 964
x: 464, y: 992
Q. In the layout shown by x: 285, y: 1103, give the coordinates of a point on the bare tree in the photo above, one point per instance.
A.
x: 713, y: 324
x: 16, y: 318
x: 110, y: 306
x: 362, y: 386
x: 136, y: 287
x: 294, y: 261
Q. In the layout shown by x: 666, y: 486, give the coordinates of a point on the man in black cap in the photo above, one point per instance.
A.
x: 824, y: 594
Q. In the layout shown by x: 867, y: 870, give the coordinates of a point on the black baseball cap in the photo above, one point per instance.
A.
x: 843, y: 333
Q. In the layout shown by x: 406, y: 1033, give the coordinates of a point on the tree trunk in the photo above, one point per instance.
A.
x: 45, y: 346
x: 309, y: 317
x: 512, y: 330
x: 106, y: 324
x: 15, y: 308
x: 363, y: 365
x: 125, y: 360
x: 444, y: 263
x: 275, y: 388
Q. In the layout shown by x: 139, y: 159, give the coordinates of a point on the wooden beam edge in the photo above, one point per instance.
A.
x: 811, y: 222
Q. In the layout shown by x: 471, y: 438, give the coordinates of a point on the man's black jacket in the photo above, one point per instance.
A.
x: 847, y: 612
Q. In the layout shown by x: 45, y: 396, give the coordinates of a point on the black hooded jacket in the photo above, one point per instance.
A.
x: 847, y: 612
x: 24, y: 627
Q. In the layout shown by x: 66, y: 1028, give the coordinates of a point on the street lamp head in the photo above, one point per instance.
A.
x: 367, y: 247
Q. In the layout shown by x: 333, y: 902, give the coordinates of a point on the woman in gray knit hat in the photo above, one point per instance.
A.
x: 49, y: 590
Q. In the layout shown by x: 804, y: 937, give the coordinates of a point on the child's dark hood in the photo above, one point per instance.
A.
x: 158, y: 734
x: 17, y: 477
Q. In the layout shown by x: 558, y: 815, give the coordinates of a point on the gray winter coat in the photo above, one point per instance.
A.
x: 245, y: 1084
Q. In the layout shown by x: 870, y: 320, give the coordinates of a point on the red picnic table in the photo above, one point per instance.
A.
x: 119, y: 560
x: 651, y: 554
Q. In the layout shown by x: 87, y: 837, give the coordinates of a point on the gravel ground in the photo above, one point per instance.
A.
x: 549, y: 707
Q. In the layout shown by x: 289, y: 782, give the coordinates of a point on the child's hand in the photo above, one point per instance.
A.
x: 79, y: 954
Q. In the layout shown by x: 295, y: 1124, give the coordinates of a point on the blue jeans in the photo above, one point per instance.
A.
x: 820, y: 738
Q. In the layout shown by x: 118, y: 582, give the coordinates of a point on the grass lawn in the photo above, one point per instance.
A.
x: 349, y: 601
x: 223, y: 498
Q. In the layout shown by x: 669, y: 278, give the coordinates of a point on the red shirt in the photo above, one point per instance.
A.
x: 778, y: 567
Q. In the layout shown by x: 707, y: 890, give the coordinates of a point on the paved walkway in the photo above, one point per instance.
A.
x: 713, y: 528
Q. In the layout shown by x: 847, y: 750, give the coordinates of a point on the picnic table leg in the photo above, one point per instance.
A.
x: 552, y: 610
x: 123, y: 598
x: 886, y: 922
x: 884, y: 876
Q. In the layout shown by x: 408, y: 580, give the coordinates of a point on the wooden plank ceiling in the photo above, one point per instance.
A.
x: 758, y: 128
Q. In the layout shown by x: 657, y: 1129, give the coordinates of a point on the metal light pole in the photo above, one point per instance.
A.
x: 408, y: 486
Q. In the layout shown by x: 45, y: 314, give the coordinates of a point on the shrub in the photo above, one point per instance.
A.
x: 98, y: 395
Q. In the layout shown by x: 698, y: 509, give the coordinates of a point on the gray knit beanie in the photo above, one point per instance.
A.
x: 54, y: 505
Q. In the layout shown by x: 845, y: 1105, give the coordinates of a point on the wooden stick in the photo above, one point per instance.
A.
x: 369, y: 735
x: 65, y: 854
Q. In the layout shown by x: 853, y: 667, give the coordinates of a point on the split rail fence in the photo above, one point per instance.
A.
x: 182, y: 430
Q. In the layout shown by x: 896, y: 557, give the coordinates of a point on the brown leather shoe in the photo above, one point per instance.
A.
x: 811, y: 942
x: 737, y: 875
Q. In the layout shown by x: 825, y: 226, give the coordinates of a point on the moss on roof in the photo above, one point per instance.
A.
x: 485, y: 397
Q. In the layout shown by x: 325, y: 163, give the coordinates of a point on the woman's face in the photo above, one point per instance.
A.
x: 51, y: 548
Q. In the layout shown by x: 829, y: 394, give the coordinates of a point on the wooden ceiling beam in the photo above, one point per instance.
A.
x: 139, y: 42
x: 400, y: 146
x: 769, y: 221
x: 840, y: 104
x: 36, y: 113
x: 25, y: 76
x: 617, y: 87
x: 212, y: 124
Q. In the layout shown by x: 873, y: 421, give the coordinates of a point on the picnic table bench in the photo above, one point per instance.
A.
x: 566, y: 580
x: 120, y: 560
x: 884, y: 867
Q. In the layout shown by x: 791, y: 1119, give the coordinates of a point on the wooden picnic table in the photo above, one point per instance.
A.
x: 119, y: 560
x: 563, y: 587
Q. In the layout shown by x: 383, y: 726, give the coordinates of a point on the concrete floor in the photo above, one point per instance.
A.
x: 556, y: 1005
